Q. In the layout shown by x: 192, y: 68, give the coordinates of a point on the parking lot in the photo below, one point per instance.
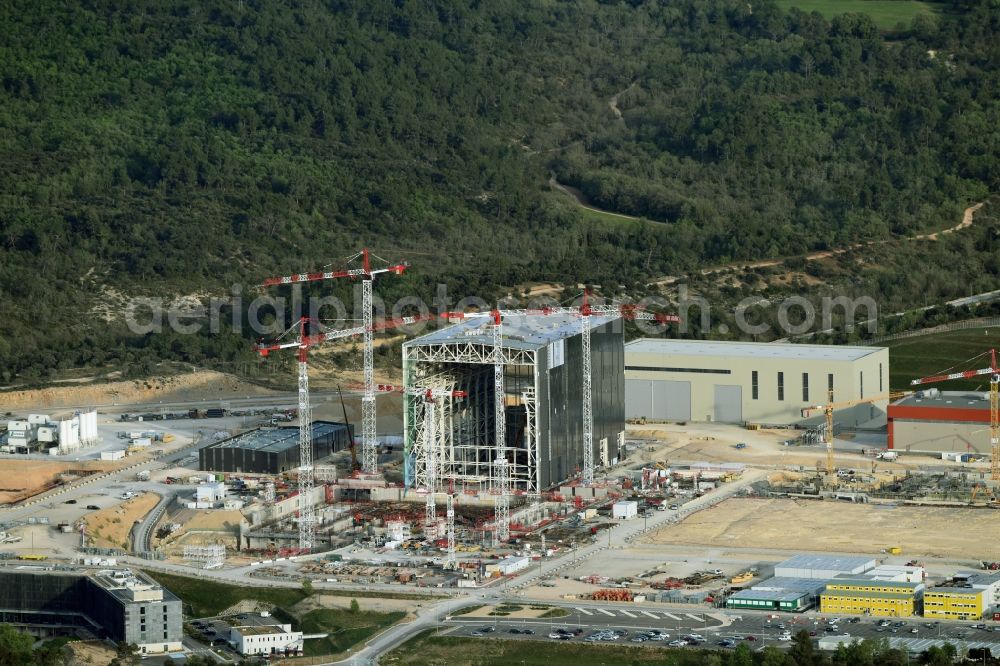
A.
x: 680, y: 628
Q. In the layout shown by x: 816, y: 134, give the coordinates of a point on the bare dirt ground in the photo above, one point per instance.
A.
x: 839, y: 527
x: 90, y: 653
x: 717, y: 443
x: 204, y: 527
x: 365, y: 603
x: 23, y: 478
x: 175, y: 388
x: 109, y: 528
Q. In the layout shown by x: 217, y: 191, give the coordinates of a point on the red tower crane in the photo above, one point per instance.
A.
x: 367, y: 274
x: 994, y: 372
x: 303, y: 341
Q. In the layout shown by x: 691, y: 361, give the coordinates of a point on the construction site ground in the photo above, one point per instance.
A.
x: 829, y: 526
x: 202, y: 527
x: 20, y: 479
x: 377, y: 604
x: 200, y: 385
x: 673, y: 443
x: 90, y: 653
x: 109, y: 528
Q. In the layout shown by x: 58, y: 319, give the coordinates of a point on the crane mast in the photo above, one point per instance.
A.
x: 307, y: 515
x: 369, y: 444
x: 501, y: 473
x: 828, y: 410
x: 994, y: 372
x: 367, y: 274
x: 584, y: 311
x: 588, y: 405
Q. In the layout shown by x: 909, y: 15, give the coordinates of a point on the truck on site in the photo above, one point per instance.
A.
x: 142, y: 475
x: 887, y: 455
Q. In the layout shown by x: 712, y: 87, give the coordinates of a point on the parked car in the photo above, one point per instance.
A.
x: 70, y: 502
x: 93, y: 507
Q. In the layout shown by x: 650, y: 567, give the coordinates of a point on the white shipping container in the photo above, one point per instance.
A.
x: 624, y: 510
x: 142, y: 441
x: 112, y: 455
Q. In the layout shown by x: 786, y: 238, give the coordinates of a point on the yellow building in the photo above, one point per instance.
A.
x: 871, y: 597
x: 950, y: 603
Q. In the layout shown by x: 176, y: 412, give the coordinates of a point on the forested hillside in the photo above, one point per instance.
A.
x: 182, y: 146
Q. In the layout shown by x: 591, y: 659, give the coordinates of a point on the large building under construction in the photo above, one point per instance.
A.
x: 543, y: 387
x: 272, y: 450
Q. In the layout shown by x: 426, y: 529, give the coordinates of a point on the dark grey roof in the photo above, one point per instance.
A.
x: 274, y: 440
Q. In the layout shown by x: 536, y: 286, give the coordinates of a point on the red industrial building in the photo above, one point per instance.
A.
x: 940, y: 421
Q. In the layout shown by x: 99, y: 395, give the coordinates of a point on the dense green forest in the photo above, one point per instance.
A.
x: 182, y: 147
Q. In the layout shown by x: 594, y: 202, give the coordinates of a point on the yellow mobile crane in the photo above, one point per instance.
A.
x: 828, y: 410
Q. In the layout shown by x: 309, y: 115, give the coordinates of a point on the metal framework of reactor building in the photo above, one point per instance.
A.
x: 537, y: 435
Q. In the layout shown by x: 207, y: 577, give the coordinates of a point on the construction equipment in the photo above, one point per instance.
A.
x: 307, y: 520
x: 369, y: 445
x: 355, y: 466
x: 979, y: 487
x: 431, y: 397
x: 302, y: 343
x: 828, y: 410
x: 585, y: 311
x: 994, y: 372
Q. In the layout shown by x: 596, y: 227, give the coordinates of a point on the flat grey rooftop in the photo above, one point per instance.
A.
x: 979, y: 577
x: 273, y: 440
x: 748, y: 349
x: 789, y: 583
x: 524, y: 332
x: 826, y: 562
x: 769, y: 595
x: 947, y: 399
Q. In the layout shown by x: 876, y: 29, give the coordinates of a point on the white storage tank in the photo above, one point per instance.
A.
x: 624, y: 510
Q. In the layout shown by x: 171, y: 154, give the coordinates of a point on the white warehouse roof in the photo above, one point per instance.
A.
x: 827, y: 562
x: 748, y: 349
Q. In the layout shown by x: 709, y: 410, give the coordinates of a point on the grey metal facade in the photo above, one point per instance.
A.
x: 272, y: 450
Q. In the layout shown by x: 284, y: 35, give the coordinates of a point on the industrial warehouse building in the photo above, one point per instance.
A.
x: 941, y: 421
x: 823, y: 567
x: 749, y: 382
x: 543, y: 390
x: 272, y: 450
x: 122, y: 605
